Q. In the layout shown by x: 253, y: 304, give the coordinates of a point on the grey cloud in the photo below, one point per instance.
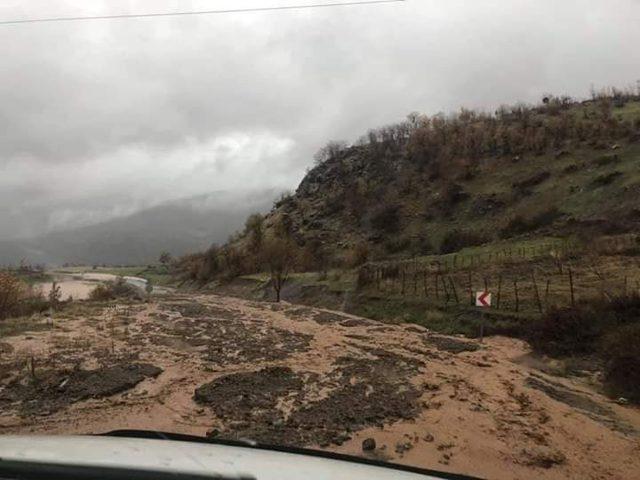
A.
x: 98, y: 118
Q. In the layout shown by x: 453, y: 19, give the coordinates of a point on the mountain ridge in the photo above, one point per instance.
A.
x: 178, y: 226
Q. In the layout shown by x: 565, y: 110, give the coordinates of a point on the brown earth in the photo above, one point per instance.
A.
x: 284, y: 374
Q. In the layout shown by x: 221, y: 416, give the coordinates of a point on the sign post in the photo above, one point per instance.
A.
x: 483, y: 300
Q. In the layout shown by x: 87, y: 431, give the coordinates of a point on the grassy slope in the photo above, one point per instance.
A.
x: 573, y: 193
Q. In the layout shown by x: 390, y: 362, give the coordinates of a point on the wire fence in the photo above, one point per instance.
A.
x: 531, y: 278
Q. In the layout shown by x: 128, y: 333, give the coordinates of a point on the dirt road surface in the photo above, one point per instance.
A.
x: 286, y: 374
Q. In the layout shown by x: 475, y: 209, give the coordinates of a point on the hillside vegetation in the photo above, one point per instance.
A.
x: 439, y: 184
x: 435, y: 185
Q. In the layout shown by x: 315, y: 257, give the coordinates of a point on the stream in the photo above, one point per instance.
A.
x: 79, y: 285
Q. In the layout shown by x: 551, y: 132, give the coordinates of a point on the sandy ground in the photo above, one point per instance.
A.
x: 290, y: 374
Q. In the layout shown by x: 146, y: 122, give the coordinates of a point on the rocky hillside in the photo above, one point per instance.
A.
x: 442, y: 183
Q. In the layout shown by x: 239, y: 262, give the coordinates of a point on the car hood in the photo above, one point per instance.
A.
x: 189, y: 458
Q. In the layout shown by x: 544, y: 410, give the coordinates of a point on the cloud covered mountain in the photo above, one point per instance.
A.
x: 178, y: 227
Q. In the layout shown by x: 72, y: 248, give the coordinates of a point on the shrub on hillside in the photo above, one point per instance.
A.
x: 286, y: 201
x: 532, y: 181
x: 397, y: 245
x: 624, y: 309
x: 33, y: 302
x: 330, y: 151
x: 18, y: 299
x: 358, y: 255
x: 622, y: 355
x: 450, y: 195
x: 566, y: 331
x: 313, y: 256
x: 209, y: 265
x: 608, y: 330
x: 333, y: 204
x: 571, y: 168
x: 422, y: 246
x: 101, y: 293
x: 607, y: 160
x: 186, y: 267
x: 254, y: 231
x: 520, y: 224
x: 456, y: 240
x: 113, y: 290
x: 386, y: 219
x: 605, y: 179
x: 11, y: 289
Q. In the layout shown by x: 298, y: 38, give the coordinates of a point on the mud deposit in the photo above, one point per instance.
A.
x: 276, y: 405
x: 449, y: 344
x: 291, y: 375
x: 49, y: 391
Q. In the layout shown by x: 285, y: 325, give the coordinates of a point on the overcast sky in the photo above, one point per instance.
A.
x: 100, y: 118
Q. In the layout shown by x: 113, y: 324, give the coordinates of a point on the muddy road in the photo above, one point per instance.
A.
x: 285, y: 374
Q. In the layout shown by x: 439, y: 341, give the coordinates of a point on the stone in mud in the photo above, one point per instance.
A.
x: 545, y: 457
x: 403, y: 446
x: 368, y: 444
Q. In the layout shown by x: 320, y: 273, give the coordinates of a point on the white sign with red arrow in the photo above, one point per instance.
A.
x: 483, y: 299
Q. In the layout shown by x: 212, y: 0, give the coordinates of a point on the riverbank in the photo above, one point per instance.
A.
x: 78, y: 283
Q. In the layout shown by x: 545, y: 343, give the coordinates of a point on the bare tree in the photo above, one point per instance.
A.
x: 165, y: 258
x: 330, y: 151
x: 254, y: 228
x: 279, y: 256
x: 55, y: 295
